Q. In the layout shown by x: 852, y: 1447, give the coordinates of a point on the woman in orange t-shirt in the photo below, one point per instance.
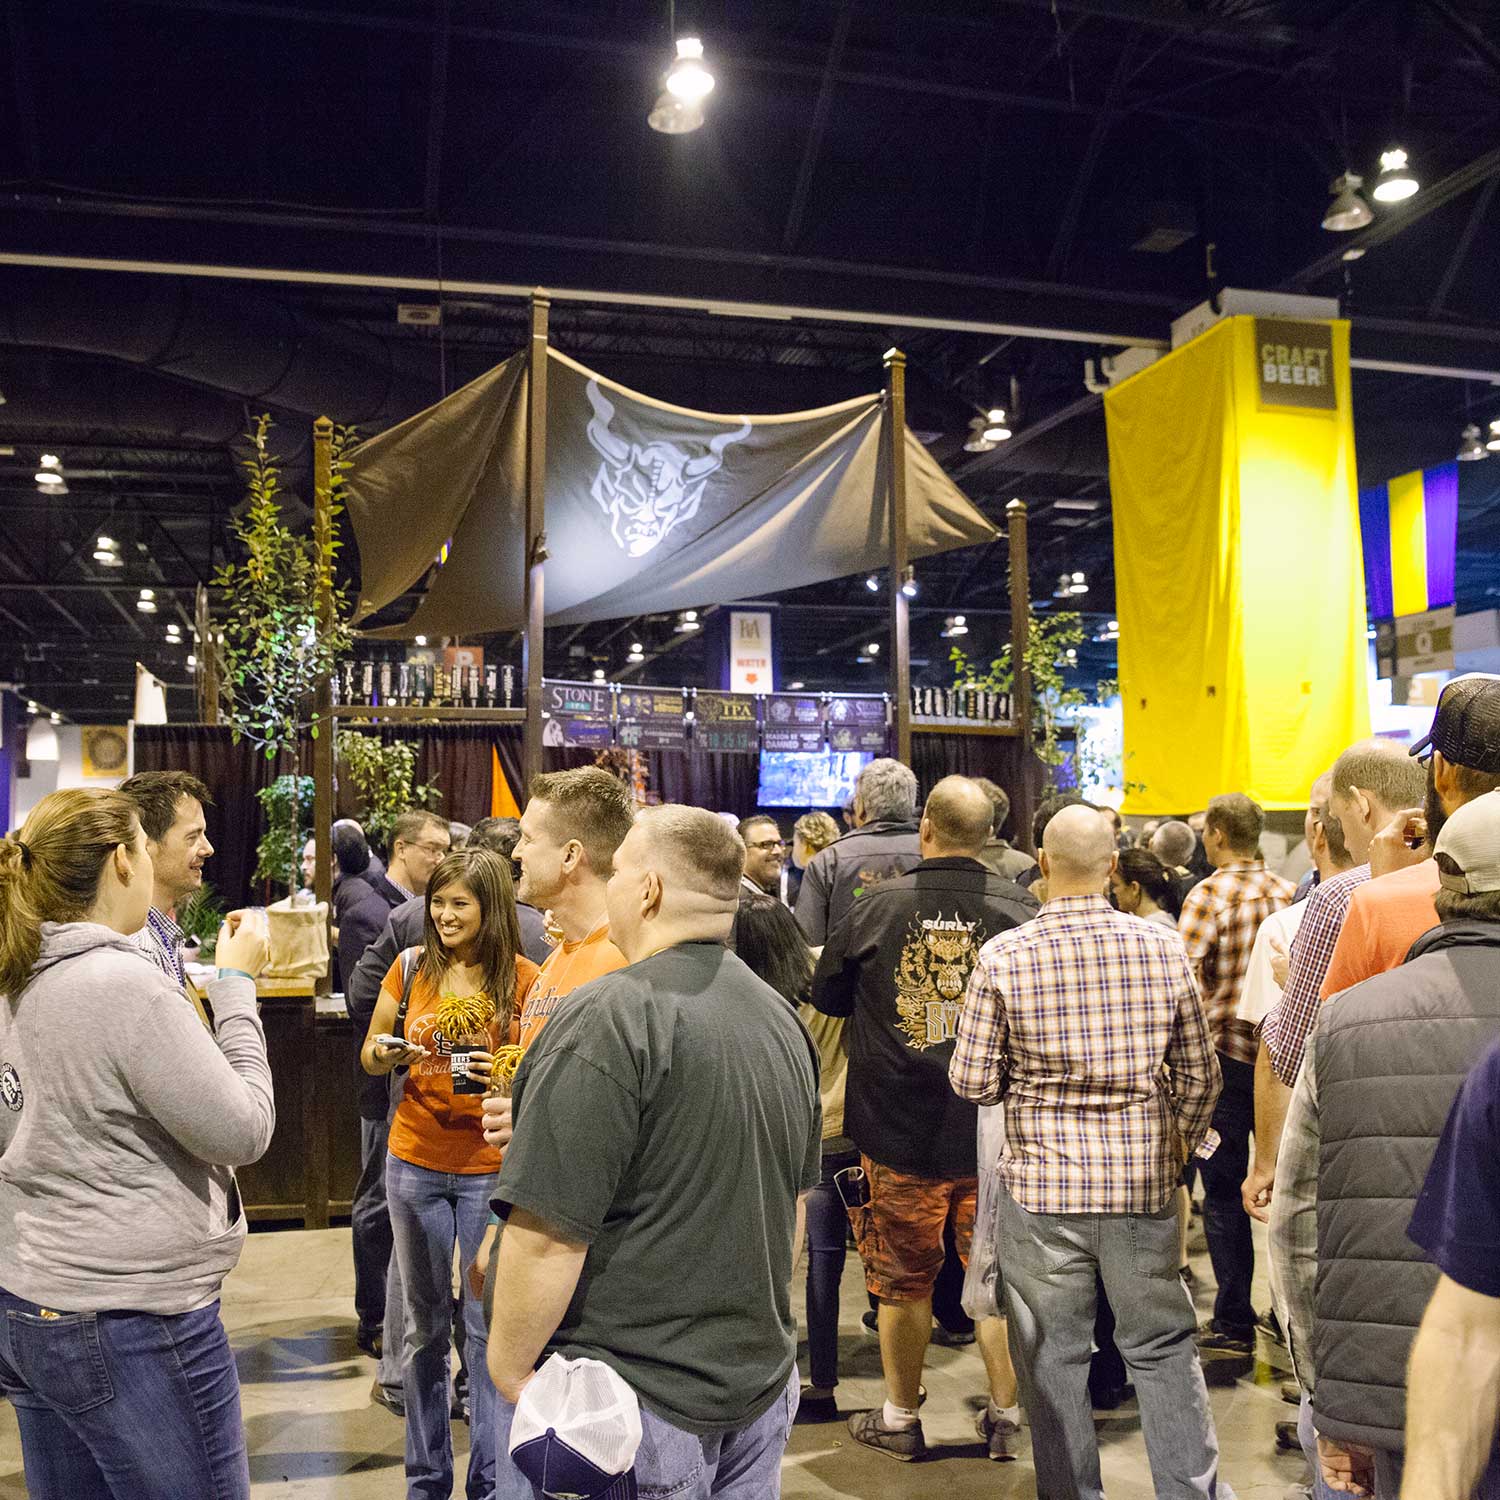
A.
x: 463, y: 990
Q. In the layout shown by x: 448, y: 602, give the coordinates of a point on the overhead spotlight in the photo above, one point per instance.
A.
x: 174, y: 633
x: 1348, y: 209
x: 954, y: 625
x: 1471, y: 448
x: 688, y: 620
x: 977, y: 442
x: 1354, y: 252
x: 49, y: 474
x: 873, y: 649
x: 689, y: 78
x: 636, y: 648
x: 636, y: 657
x: 598, y: 674
x: 1397, y: 181
x: 146, y: 604
x: 909, y: 584
x: 872, y: 582
x: 32, y: 707
x: 673, y: 116
x: 1070, y: 656
x: 420, y: 640
x: 1078, y: 584
x: 192, y: 661
x: 107, y: 544
x: 795, y: 687
x: 995, y: 430
x: 1493, y: 446
x: 54, y: 718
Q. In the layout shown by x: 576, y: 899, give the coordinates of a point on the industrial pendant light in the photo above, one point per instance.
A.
x: 1471, y: 448
x: 679, y: 108
x: 1348, y: 209
x: 1397, y: 180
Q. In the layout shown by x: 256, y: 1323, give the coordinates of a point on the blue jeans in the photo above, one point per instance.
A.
x: 827, y: 1246
x: 1050, y: 1262
x: 1309, y: 1440
x: 124, y: 1405
x: 431, y: 1213
x: 742, y: 1465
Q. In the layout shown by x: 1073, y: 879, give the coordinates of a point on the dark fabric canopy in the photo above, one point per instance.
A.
x: 650, y: 507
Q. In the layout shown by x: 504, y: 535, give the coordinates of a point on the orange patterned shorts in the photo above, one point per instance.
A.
x: 900, y: 1230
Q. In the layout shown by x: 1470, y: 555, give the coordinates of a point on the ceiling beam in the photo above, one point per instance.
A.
x: 811, y: 151
x: 1476, y: 41
x: 437, y: 111
x: 1461, y: 250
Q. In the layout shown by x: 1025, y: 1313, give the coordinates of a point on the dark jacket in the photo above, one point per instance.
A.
x: 848, y: 867
x: 1000, y: 859
x: 898, y: 965
x: 403, y: 930
x: 1391, y: 1054
x: 361, y: 904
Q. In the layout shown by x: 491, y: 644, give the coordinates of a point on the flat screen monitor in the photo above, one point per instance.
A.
x: 800, y: 778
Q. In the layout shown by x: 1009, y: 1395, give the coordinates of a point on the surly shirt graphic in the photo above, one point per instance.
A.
x: 931, y: 977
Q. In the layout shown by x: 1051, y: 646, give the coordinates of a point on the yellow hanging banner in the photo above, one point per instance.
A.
x: 1238, y: 574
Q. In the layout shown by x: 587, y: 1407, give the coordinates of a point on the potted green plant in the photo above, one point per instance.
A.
x: 383, y: 775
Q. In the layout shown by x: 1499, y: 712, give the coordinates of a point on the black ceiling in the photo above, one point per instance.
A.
x: 973, y: 182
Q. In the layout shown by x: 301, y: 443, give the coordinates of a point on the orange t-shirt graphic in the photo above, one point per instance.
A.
x: 433, y: 1126
x: 568, y: 966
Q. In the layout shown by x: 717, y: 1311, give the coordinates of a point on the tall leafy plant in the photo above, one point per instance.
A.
x: 274, y: 646
x: 288, y: 807
x: 383, y: 776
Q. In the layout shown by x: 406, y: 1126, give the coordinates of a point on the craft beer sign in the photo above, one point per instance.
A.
x: 750, y: 651
x: 1296, y: 363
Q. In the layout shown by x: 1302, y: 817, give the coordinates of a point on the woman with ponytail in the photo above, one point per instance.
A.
x: 121, y: 1119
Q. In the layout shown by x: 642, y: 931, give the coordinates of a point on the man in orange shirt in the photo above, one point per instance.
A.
x: 573, y: 823
x: 1390, y: 913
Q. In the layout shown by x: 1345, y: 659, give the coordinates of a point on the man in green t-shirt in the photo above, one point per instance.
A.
x: 664, y: 1132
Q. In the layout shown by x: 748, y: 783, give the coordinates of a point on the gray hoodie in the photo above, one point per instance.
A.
x: 120, y: 1119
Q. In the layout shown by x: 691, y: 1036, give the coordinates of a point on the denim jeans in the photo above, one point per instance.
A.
x: 1050, y: 1262
x: 742, y: 1465
x: 124, y: 1405
x: 1309, y: 1440
x: 827, y: 1246
x: 370, y: 1226
x: 1226, y: 1225
x: 431, y: 1213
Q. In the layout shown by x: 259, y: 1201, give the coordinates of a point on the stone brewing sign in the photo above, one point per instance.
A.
x: 577, y: 713
x: 726, y: 721
x: 857, y: 724
x: 1296, y: 363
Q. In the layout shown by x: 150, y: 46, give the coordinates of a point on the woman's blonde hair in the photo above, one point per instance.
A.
x: 487, y: 877
x: 49, y: 872
x: 817, y: 830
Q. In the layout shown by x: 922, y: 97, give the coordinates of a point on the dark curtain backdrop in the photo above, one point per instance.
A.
x: 458, y: 759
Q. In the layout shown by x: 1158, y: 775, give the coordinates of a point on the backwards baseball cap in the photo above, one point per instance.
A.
x: 1468, y: 847
x: 575, y: 1431
x: 1466, y: 726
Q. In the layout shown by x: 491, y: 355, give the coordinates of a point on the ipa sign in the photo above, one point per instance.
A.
x: 750, y: 651
x: 725, y: 721
x: 1296, y: 363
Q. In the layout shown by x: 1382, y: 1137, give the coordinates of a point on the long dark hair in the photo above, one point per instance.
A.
x: 1141, y: 867
x: 487, y: 877
x: 770, y: 943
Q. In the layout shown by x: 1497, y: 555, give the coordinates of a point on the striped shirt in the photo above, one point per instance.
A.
x: 161, y: 940
x: 1286, y: 1028
x: 1088, y: 1024
x: 1220, y: 917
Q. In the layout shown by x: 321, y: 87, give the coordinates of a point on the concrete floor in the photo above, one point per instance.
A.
x: 313, y: 1432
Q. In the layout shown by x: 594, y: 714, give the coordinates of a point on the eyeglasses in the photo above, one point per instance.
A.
x: 438, y: 851
x: 768, y: 844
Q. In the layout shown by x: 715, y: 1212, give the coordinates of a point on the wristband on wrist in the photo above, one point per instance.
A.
x: 236, y: 974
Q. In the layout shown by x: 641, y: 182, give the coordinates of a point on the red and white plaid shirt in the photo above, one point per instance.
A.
x: 1088, y: 1024
x: 1220, y: 918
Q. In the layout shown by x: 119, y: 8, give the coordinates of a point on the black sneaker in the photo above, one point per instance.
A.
x: 369, y: 1341
x: 1213, y: 1340
x: 901, y: 1443
x: 946, y: 1338
x: 817, y: 1409
x: 998, y: 1434
x: 871, y: 1321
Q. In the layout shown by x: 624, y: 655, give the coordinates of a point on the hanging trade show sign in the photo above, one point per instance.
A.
x: 576, y: 713
x: 1296, y: 363
x: 793, y: 722
x: 1409, y: 644
x: 858, y: 724
x: 725, y: 721
x: 750, y: 651
x: 651, y: 719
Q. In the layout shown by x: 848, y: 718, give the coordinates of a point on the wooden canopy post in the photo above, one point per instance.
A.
x: 1023, y: 803
x: 323, y: 693
x: 900, y: 642
x: 533, y: 641
x: 208, y: 659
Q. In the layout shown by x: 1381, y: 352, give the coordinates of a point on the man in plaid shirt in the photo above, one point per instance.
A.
x: 1219, y: 921
x: 1088, y: 1024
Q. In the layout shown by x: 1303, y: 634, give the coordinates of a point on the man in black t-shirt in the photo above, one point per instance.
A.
x: 667, y: 1123
x: 897, y: 966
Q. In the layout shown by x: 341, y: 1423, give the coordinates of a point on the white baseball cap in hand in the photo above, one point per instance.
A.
x: 576, y: 1430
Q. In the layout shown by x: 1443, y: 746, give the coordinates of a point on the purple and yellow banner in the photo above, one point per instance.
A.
x: 1410, y: 532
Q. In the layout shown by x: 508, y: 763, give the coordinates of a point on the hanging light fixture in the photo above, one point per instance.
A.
x: 1348, y: 209
x: 873, y: 649
x: 872, y: 582
x: 954, y: 625
x: 795, y: 687
x: 909, y: 583
x: 995, y: 430
x: 107, y: 553
x: 1493, y: 446
x: 146, y: 604
x: 679, y: 108
x: 1078, y: 584
x: 1471, y: 448
x: 688, y: 620
x: 1397, y: 181
x: 49, y: 474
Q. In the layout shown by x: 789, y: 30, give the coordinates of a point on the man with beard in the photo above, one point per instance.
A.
x: 765, y: 854
x: 1390, y: 913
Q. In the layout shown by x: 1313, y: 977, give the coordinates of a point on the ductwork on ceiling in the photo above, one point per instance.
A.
x: 255, y: 347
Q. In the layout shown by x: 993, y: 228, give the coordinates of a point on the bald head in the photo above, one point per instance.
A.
x: 957, y: 819
x: 1078, y: 852
x: 1382, y: 770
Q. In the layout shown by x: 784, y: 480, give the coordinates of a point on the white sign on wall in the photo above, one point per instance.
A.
x: 750, y: 651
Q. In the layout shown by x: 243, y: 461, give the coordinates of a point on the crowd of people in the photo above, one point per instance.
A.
x: 621, y: 1066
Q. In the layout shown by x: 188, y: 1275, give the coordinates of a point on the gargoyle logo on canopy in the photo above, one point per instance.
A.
x: 647, y: 490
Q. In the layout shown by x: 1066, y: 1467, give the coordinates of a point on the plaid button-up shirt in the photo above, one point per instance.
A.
x: 1286, y: 1028
x: 161, y: 940
x: 1220, y: 918
x: 1088, y: 1024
